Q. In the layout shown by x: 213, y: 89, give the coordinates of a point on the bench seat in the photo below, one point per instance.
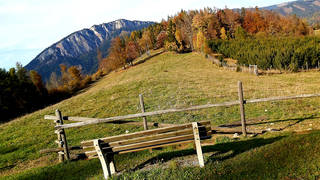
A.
x: 105, y: 148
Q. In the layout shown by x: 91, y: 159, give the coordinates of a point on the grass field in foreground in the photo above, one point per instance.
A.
x: 175, y: 80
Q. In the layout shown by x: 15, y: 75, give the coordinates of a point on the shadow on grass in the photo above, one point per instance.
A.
x: 67, y: 170
x: 234, y: 147
x: 275, y: 121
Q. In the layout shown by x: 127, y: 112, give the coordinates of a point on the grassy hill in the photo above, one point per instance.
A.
x: 177, y: 80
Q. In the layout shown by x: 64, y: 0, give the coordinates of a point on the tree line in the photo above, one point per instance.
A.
x: 23, y: 92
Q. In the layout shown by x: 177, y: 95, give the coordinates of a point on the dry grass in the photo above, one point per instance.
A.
x: 166, y: 81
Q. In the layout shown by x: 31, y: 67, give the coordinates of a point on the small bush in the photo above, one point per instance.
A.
x: 238, y: 69
x: 223, y: 139
x: 171, y: 46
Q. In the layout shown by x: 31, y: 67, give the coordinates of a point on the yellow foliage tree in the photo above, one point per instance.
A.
x: 223, y: 33
x: 200, y: 41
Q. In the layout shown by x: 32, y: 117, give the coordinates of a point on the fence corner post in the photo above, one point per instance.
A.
x: 62, y: 139
x: 242, y: 111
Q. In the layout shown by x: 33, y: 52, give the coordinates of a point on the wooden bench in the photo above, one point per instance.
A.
x: 105, y: 148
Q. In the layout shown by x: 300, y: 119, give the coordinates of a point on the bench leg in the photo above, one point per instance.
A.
x: 197, y: 143
x: 112, y: 164
x: 107, y: 163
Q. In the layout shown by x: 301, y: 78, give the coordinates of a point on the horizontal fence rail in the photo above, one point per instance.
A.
x: 88, y: 121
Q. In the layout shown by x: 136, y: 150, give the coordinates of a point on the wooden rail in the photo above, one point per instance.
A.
x: 63, y: 149
x: 88, y: 121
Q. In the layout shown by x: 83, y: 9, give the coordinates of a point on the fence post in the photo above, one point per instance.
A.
x: 145, y: 125
x: 256, y: 70
x: 242, y: 112
x: 62, y: 140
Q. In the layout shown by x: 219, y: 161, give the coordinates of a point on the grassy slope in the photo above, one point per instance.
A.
x: 171, y: 80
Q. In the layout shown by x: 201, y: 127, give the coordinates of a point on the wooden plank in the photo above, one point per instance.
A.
x: 144, y: 138
x: 139, y: 115
x: 154, y: 137
x: 196, y: 136
x: 282, y: 98
x: 69, y: 118
x: 93, y: 156
x: 149, y: 124
x: 206, y: 132
x: 242, y: 111
x: 144, y: 133
x: 49, y: 117
x: 145, y: 124
x: 224, y: 130
x: 63, y: 137
x: 156, y: 146
x: 102, y: 158
x: 136, y: 134
x: 169, y: 143
x: 82, y: 119
x: 145, y: 144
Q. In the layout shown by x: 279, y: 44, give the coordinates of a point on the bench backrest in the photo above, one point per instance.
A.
x: 148, y: 139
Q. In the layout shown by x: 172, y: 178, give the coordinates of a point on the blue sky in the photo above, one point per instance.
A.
x: 29, y: 26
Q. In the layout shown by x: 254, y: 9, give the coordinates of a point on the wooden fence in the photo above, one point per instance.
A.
x: 83, y: 121
x: 252, y: 69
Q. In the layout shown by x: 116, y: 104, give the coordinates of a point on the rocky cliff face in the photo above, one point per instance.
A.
x: 80, y: 48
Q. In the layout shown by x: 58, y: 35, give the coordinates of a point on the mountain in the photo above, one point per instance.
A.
x: 309, y: 9
x: 80, y: 48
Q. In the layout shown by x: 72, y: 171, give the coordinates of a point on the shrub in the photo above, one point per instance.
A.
x: 171, y: 46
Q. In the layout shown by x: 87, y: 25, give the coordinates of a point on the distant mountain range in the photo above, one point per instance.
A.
x: 309, y: 9
x: 80, y: 48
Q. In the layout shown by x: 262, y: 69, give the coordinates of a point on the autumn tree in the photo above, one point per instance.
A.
x: 37, y: 81
x: 171, y: 29
x: 131, y: 51
x: 117, y: 52
x: 145, y: 42
x: 213, y: 28
x: 53, y: 82
x: 134, y: 37
x: 254, y: 21
x: 161, y: 38
x: 75, y: 78
x: 184, y: 32
x: 64, y: 74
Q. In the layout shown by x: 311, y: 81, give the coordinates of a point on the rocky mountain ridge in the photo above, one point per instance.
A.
x: 309, y: 9
x: 80, y: 48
